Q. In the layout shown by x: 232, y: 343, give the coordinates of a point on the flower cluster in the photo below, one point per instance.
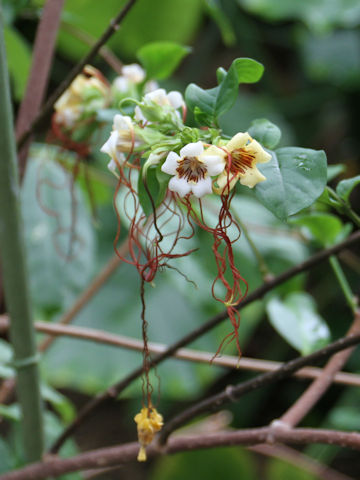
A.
x: 149, y: 422
x: 87, y: 93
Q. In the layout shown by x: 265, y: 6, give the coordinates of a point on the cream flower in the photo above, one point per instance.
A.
x: 131, y: 75
x: 123, y: 139
x: 71, y: 104
x: 192, y: 170
x: 160, y: 97
x: 134, y: 73
x: 244, y: 153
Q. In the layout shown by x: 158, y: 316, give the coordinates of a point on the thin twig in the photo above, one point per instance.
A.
x: 316, y: 390
x: 233, y: 393
x: 117, y: 388
x: 229, y: 361
x: 89, y: 40
x: 127, y: 453
x: 43, y: 53
x: 298, y: 459
x: 88, y: 58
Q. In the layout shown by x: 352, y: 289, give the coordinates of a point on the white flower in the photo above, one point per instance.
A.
x: 150, y: 86
x: 192, y: 170
x: 134, y: 73
x: 160, y: 97
x: 123, y: 139
x: 121, y: 84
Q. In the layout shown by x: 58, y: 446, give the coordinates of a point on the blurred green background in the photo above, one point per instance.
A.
x: 311, y: 89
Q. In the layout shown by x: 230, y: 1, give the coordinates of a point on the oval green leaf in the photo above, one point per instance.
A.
x: 295, y: 178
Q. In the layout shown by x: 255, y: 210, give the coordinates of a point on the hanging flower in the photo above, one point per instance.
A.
x: 149, y: 421
x: 172, y: 100
x: 192, y: 170
x: 131, y: 75
x: 88, y: 92
x: 244, y: 153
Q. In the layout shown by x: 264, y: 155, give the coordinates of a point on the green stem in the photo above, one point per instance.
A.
x: 14, y: 275
x: 344, y: 284
x: 264, y: 269
x: 347, y: 210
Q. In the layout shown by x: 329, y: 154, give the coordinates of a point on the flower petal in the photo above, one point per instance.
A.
x: 176, y: 99
x: 109, y: 146
x: 139, y: 116
x: 122, y: 122
x: 220, y: 185
x: 251, y: 177
x: 260, y: 154
x: 134, y: 73
x: 238, y: 141
x: 179, y: 185
x: 192, y: 150
x: 215, y: 164
x: 202, y: 187
x: 171, y: 163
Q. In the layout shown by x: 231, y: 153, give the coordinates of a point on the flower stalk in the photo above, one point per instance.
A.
x: 14, y: 276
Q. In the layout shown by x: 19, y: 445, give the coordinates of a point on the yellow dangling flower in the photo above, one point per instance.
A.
x: 149, y: 421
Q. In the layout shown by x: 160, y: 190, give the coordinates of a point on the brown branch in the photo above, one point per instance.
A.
x: 127, y: 453
x: 88, y: 58
x: 298, y: 459
x: 117, y: 388
x: 229, y: 361
x: 317, y: 389
x: 39, y: 74
x: 89, y: 40
x: 233, y: 393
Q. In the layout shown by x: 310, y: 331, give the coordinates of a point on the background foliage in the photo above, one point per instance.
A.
x: 310, y: 89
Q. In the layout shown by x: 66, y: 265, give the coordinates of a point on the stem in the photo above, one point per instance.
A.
x: 43, y: 53
x: 14, y: 275
x: 228, y: 361
x: 118, y: 455
x: 344, y: 284
x: 354, y: 217
x: 118, y: 387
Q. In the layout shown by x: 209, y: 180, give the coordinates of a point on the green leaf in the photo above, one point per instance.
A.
x: 345, y: 187
x: 160, y: 59
x: 319, y: 15
x: 7, y: 458
x: 216, y: 101
x: 59, y: 235
x: 59, y: 402
x: 295, y: 178
x: 19, y: 60
x: 175, y: 21
x: 247, y: 70
x: 323, y: 227
x: 295, y: 318
x: 6, y: 371
x: 265, y: 132
x: 222, y: 21
x: 11, y: 412
x: 334, y: 170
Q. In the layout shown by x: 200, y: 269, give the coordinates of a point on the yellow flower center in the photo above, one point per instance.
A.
x: 192, y: 169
